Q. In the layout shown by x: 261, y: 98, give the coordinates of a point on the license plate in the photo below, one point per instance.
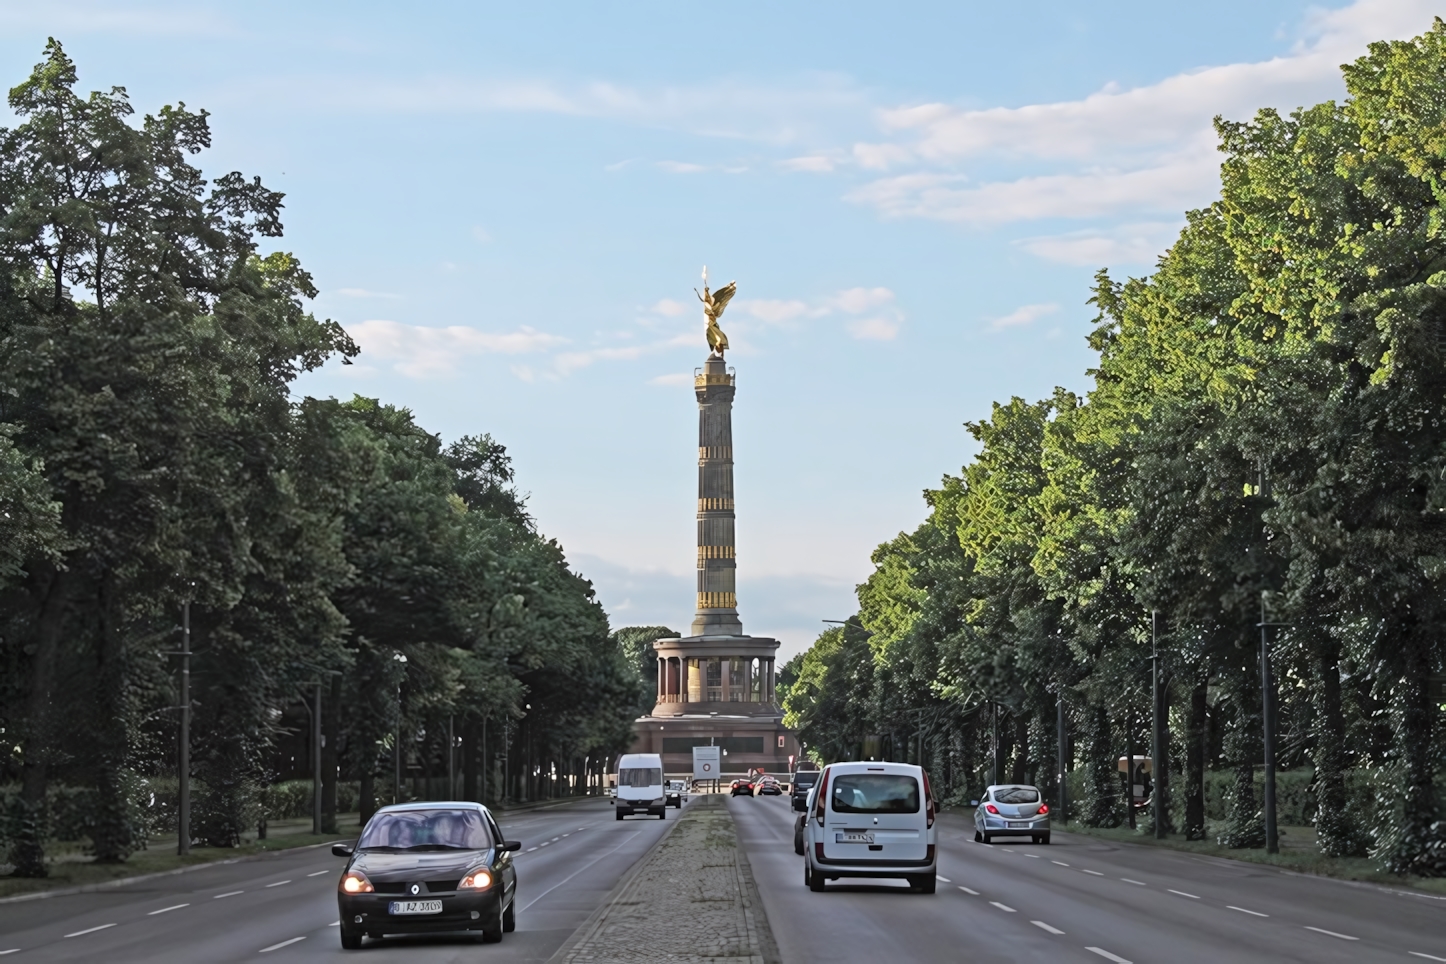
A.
x: 866, y: 838
x: 1018, y: 824
x: 415, y: 907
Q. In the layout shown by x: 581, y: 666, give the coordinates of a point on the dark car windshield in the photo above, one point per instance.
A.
x: 426, y: 830
x: 805, y: 780
x: 640, y: 777
x: 875, y: 793
x: 1016, y: 795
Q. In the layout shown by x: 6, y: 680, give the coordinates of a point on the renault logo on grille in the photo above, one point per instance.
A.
x: 416, y: 889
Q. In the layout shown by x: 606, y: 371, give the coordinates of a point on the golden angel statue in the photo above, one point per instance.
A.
x: 713, y: 304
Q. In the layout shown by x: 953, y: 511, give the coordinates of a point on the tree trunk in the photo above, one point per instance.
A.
x: 469, y: 761
x: 111, y: 836
x: 1195, y: 761
x: 1019, y: 770
x: 367, y: 793
x: 330, y: 735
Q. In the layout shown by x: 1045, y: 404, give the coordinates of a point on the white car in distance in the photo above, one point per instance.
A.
x: 871, y: 820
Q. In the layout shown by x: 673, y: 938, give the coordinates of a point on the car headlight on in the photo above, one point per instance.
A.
x: 355, y: 882
x: 479, y: 879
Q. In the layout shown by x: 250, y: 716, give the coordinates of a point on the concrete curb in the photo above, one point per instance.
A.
x: 123, y: 881
x: 590, y: 926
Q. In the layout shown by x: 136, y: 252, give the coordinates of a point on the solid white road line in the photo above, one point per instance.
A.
x: 1429, y: 957
x: 1242, y: 910
x: 1107, y: 955
x: 944, y: 879
x: 319, y: 873
x: 277, y: 947
x: 1004, y: 907
x: 1094, y: 873
x: 165, y: 909
x: 1322, y: 930
x: 1060, y: 862
x: 90, y: 930
x: 1043, y: 926
x: 971, y: 893
x: 1137, y: 883
x: 1183, y: 894
x: 279, y: 883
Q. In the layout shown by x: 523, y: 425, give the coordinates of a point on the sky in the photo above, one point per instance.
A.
x: 509, y: 205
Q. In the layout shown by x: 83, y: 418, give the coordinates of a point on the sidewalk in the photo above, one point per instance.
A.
x: 691, y: 899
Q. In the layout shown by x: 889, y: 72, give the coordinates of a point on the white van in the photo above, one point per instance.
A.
x: 640, y: 786
x: 871, y: 820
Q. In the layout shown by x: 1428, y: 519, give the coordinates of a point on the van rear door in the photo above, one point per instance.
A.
x: 875, y: 815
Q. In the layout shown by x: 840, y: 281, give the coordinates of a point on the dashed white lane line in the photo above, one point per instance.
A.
x: 1060, y: 862
x: 1322, y: 930
x: 319, y: 873
x: 1253, y: 913
x: 531, y: 849
x: 279, y: 883
x: 1006, y: 850
x: 1137, y: 883
x: 12, y: 950
x: 544, y: 843
x: 944, y: 879
x: 971, y: 893
x: 1429, y: 957
x: 1043, y: 926
x: 1094, y: 873
x: 229, y: 893
x: 1033, y: 856
x: 90, y: 930
x: 1183, y: 894
x: 277, y: 947
x: 164, y: 910
x: 1107, y: 955
x: 335, y: 923
x: 1004, y: 907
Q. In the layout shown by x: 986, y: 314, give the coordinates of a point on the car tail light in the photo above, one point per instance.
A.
x: 991, y: 808
x: 928, y: 801
x: 355, y: 882
x: 1044, y: 809
x: 821, y: 800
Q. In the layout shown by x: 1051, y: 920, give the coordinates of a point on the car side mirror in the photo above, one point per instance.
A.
x: 973, y: 803
x: 511, y: 845
x: 342, y: 850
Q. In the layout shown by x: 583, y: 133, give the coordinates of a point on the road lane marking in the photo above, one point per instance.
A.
x: 971, y: 893
x: 229, y: 893
x: 554, y: 839
x: 1183, y: 894
x: 1006, y: 850
x: 1429, y: 957
x: 586, y: 866
x: 335, y: 923
x: 277, y: 947
x: 1137, y: 883
x: 568, y: 834
x: 531, y: 849
x: 1242, y: 910
x: 544, y: 843
x: 279, y: 883
x: 1322, y: 930
x: 1043, y: 926
x: 1004, y: 907
x: 90, y: 930
x: 1033, y: 856
x: 1107, y: 955
x: 11, y: 951
x: 944, y: 879
x: 165, y: 909
x: 1060, y: 862
x: 1095, y: 873
x: 319, y: 873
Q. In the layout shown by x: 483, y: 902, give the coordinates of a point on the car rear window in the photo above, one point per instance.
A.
x: 875, y: 793
x: 805, y: 780
x: 426, y: 830
x: 1016, y: 795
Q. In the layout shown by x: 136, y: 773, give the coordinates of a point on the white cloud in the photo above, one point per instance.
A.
x: 856, y: 300
x: 1143, y: 149
x: 875, y: 329
x: 362, y: 293
x: 1024, y: 315
x: 681, y: 167
x: 480, y: 233
x: 421, y: 352
x: 670, y: 308
x: 675, y: 378
x: 775, y: 311
x: 815, y: 163
x: 1126, y: 244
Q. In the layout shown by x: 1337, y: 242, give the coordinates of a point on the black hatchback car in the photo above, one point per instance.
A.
x: 421, y: 868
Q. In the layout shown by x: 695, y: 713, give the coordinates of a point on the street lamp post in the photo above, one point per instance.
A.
x: 1063, y: 757
x: 183, y: 823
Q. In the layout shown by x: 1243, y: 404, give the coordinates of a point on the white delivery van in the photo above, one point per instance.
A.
x: 640, y: 786
x: 871, y: 820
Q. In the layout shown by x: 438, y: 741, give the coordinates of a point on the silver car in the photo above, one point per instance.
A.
x: 1011, y: 810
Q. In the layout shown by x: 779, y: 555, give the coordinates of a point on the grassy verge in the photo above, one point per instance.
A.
x: 69, y: 867
x: 1298, y: 853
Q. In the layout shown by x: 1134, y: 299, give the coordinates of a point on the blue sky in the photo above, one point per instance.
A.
x: 508, y: 205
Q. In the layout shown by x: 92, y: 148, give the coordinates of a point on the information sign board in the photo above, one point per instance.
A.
x: 707, y: 762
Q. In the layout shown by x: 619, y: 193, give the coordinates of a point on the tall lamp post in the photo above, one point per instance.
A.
x: 183, y: 822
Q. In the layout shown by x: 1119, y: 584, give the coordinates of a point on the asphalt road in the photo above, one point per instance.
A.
x: 283, y: 908
x: 1079, y: 899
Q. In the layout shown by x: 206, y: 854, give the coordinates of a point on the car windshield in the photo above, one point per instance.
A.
x: 875, y: 793
x: 640, y: 777
x: 426, y: 830
x: 1016, y: 795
